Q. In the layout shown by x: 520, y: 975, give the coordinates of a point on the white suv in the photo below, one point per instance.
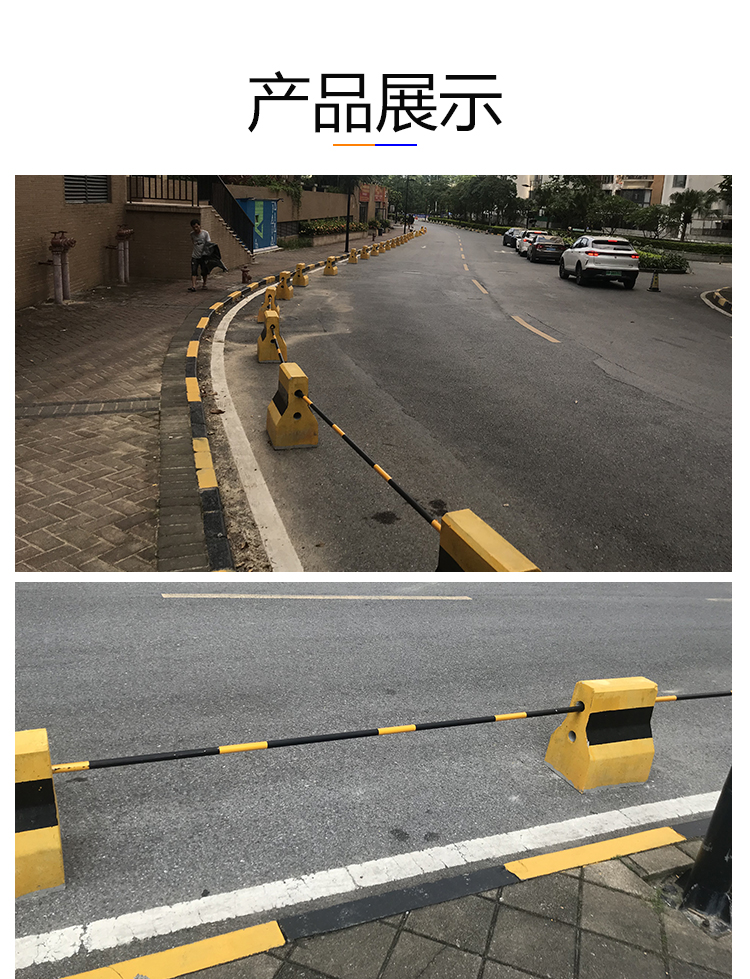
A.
x: 600, y: 257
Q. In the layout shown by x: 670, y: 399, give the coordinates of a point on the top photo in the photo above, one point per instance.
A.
x: 373, y: 373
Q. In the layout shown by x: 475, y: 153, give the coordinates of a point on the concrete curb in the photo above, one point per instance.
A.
x: 173, y: 547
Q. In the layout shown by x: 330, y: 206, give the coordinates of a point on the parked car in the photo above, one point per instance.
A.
x: 510, y: 236
x: 528, y: 236
x: 599, y: 257
x: 545, y: 249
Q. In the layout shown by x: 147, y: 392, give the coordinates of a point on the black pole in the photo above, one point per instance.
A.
x: 348, y: 210
x: 706, y: 887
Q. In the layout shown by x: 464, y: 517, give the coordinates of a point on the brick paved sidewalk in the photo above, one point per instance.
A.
x: 105, y: 479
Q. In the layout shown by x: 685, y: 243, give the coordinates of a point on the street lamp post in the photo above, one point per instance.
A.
x: 348, y: 210
x: 406, y: 202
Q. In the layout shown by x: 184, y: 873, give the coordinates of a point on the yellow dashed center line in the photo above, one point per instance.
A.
x: 480, y: 287
x: 533, y: 329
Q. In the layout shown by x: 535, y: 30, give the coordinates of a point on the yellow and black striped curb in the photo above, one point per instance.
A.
x: 243, y: 943
x: 219, y: 550
x: 722, y: 302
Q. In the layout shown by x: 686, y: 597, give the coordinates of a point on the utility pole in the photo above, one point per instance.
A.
x: 406, y: 201
x: 348, y: 210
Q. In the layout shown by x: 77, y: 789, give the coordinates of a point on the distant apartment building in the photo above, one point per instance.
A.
x: 646, y: 189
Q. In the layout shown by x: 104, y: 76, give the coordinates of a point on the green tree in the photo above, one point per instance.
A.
x: 612, y: 212
x: 725, y: 190
x: 684, y: 204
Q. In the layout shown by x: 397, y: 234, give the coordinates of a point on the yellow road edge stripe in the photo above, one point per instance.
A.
x: 185, y: 959
x: 369, y: 598
x: 193, y: 348
x: 480, y: 287
x: 216, y: 305
x: 193, y: 390
x: 399, y: 729
x: 227, y: 749
x: 580, y: 856
x: 510, y: 717
x: 534, y: 329
x: 466, y: 267
x: 202, y: 323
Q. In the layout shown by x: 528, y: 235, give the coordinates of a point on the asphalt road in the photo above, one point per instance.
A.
x: 119, y: 669
x: 589, y: 426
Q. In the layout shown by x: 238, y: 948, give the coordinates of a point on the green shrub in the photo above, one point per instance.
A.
x: 329, y: 226
x: 696, y: 247
x: 662, y: 261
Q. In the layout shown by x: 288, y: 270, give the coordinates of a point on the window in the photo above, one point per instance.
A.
x: 679, y: 181
x: 87, y: 190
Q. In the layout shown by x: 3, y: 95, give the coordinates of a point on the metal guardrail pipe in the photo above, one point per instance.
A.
x: 432, y: 521
x: 79, y: 766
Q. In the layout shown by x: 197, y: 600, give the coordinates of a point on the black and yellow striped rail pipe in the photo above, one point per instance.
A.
x: 371, y: 462
x: 227, y: 749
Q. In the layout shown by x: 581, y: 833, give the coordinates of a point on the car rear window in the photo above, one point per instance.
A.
x: 554, y: 240
x: 613, y: 243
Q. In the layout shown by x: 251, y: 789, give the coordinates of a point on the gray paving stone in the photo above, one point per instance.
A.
x: 690, y: 943
x: 494, y: 970
x: 608, y: 959
x: 255, y: 967
x: 416, y: 957
x: 621, y: 916
x: 555, y: 896
x: 533, y: 944
x: 661, y: 860
x: 614, y: 874
x: 465, y: 922
x: 353, y: 953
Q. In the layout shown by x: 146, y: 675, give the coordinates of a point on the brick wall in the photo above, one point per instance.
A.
x: 40, y: 210
x: 161, y: 246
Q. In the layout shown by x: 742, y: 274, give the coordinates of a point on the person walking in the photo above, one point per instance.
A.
x: 200, y: 240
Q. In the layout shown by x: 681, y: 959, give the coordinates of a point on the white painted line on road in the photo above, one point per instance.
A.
x: 278, y: 546
x: 116, y: 932
x: 356, y: 598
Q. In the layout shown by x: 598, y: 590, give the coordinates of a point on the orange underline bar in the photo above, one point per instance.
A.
x: 373, y: 144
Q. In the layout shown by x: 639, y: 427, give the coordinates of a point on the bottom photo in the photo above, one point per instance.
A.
x: 469, y: 780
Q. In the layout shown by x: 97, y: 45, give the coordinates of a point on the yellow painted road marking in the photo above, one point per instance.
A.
x: 580, y: 856
x: 466, y: 266
x: 193, y: 348
x: 534, y: 329
x: 361, y: 598
x: 480, y: 287
x: 193, y: 391
x: 399, y: 729
x: 205, y: 954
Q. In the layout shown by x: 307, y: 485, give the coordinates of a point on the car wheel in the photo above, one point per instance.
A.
x: 579, y: 275
x: 629, y: 283
x: 562, y: 270
x: 530, y: 255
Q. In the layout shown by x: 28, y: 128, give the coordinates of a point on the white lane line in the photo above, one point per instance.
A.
x: 268, y: 898
x: 356, y: 598
x: 276, y: 541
